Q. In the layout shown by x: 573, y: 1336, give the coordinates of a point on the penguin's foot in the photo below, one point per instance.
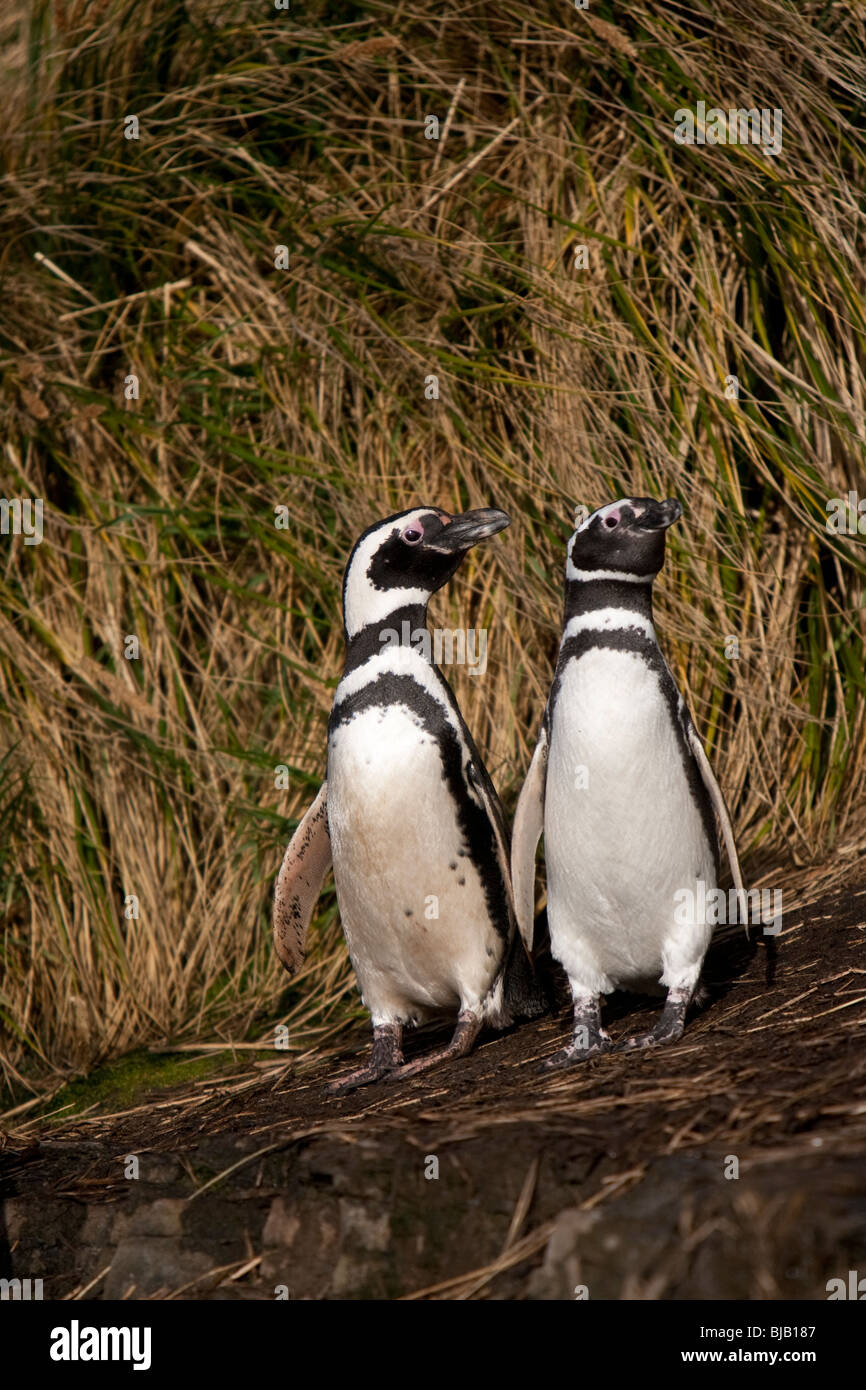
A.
x: 467, y: 1030
x: 386, y: 1057
x: 589, y: 1039
x: 659, y: 1035
x: 579, y: 1050
x: 669, y: 1027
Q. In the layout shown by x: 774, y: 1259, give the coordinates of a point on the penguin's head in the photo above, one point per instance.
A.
x: 407, y: 557
x: 624, y: 538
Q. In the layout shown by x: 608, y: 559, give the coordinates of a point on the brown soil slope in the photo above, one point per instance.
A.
x: 609, y: 1179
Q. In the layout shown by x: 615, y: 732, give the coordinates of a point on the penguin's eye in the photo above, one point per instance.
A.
x: 413, y: 534
x: 610, y: 521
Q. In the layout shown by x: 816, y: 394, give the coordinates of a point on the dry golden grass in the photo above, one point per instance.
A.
x: 305, y: 387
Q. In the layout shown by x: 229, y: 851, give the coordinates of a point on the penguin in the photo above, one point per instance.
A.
x: 407, y: 813
x: 622, y: 788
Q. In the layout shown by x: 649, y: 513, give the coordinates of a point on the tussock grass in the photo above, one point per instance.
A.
x: 306, y: 388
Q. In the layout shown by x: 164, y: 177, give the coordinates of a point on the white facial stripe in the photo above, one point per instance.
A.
x: 603, y: 512
x: 607, y: 620
x: 365, y: 603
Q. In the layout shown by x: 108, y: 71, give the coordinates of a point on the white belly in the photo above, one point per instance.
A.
x: 624, y: 840
x: 412, y: 905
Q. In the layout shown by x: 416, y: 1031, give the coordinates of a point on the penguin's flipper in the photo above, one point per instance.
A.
x: 478, y: 779
x: 299, y: 882
x: 528, y: 825
x: 716, y: 797
x: 479, y: 784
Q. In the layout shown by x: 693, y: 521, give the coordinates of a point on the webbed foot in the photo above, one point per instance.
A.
x: 467, y: 1030
x: 669, y: 1027
x: 386, y: 1057
x: 589, y: 1039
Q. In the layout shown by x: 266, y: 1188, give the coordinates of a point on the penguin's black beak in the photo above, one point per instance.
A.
x: 469, y: 528
x: 658, y: 516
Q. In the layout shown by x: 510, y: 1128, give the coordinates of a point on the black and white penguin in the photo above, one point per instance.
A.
x: 623, y: 790
x: 408, y: 813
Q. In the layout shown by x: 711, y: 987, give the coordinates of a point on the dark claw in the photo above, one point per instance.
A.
x: 661, y: 1034
x: 570, y: 1056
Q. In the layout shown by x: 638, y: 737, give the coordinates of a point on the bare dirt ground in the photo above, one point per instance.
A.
x: 612, y: 1180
